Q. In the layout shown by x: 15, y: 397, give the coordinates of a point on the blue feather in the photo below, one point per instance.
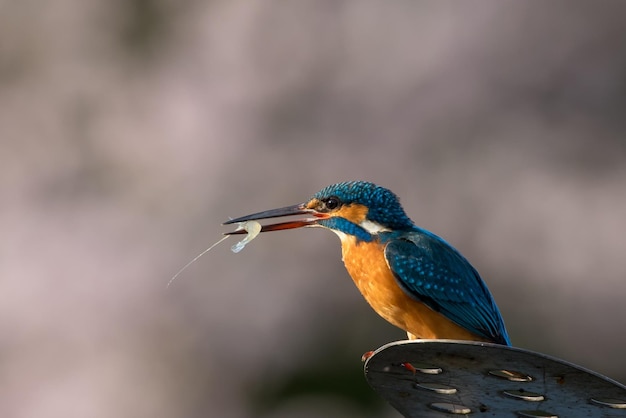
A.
x: 430, y: 270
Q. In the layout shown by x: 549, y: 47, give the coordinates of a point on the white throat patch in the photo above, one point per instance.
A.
x: 373, y: 227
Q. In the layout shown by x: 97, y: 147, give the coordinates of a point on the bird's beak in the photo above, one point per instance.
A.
x: 299, y: 209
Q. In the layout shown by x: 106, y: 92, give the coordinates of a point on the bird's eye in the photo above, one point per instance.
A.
x: 332, y: 202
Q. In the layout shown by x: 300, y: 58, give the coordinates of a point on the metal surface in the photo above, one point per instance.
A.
x: 439, y: 378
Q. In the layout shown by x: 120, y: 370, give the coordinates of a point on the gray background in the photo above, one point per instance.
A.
x: 129, y: 130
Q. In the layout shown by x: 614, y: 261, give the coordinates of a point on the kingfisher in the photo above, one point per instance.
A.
x: 411, y: 277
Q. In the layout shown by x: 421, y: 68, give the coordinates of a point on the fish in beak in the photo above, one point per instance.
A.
x: 294, y: 210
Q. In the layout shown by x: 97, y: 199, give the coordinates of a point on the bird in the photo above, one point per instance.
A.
x: 411, y: 277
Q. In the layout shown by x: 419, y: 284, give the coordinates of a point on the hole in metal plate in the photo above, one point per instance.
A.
x: 450, y: 408
x: 511, y: 375
x: 426, y: 368
x: 524, y: 395
x: 536, y: 413
x: 437, y: 388
x: 610, y: 402
x: 420, y: 367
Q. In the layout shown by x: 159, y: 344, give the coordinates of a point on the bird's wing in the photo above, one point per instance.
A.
x: 433, y: 272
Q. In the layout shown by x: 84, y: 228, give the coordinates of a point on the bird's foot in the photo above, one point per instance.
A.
x: 366, y: 355
x: 409, y: 367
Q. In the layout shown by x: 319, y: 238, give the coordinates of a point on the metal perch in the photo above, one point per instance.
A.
x: 450, y: 377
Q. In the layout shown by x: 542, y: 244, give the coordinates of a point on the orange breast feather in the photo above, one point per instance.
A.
x: 365, y: 261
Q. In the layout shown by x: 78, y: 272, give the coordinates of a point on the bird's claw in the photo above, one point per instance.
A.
x: 409, y: 367
x: 366, y: 355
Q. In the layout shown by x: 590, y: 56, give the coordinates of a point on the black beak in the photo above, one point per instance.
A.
x: 294, y: 210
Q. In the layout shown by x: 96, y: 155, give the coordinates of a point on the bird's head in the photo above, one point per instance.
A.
x: 357, y: 208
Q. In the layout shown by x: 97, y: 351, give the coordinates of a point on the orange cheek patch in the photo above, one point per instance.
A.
x: 355, y: 213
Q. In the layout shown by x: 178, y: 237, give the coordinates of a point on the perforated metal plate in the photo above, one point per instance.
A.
x: 439, y: 378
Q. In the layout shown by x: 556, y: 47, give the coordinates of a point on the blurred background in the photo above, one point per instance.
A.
x: 130, y: 129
